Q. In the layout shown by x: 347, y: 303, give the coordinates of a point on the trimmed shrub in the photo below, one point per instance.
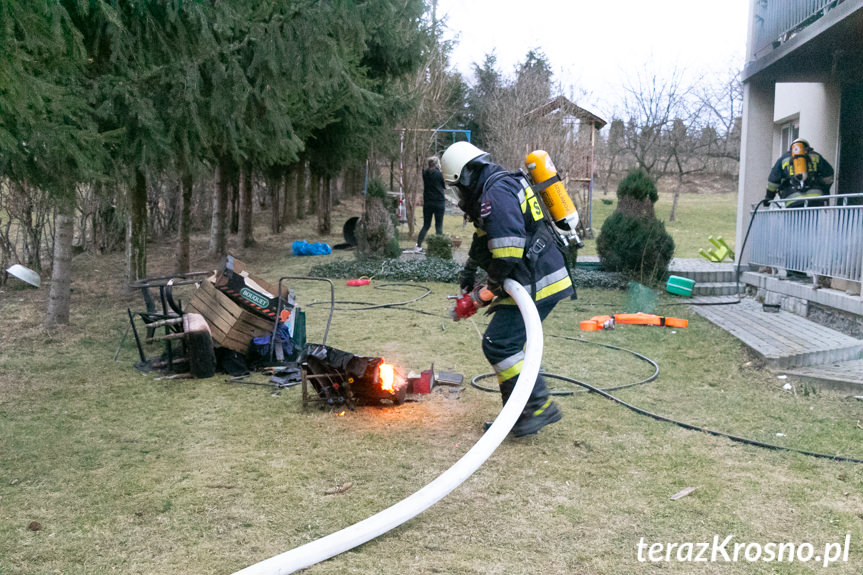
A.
x: 638, y: 185
x: 375, y: 231
x: 376, y: 189
x: 636, y: 195
x: 439, y: 246
x: 639, y: 248
x: 632, y: 241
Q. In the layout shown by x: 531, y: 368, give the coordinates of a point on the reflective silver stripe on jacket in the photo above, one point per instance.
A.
x: 551, y: 278
x: 507, y: 242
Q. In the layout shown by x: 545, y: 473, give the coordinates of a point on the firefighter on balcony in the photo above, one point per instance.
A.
x: 798, y: 175
x: 511, y: 240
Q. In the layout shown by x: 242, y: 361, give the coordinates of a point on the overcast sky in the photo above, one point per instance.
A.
x: 594, y: 46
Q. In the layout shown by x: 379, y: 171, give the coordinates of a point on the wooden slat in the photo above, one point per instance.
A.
x: 231, y: 325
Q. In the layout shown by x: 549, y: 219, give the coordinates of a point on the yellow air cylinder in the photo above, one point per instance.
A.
x: 555, y: 196
x: 798, y: 158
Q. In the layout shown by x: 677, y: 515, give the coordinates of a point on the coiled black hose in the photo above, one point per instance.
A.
x: 605, y: 392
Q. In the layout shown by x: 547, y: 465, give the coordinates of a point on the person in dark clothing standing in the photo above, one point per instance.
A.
x: 434, y: 200
x: 512, y: 240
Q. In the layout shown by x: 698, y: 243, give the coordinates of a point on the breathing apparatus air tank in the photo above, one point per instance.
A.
x: 799, y: 156
x: 547, y: 183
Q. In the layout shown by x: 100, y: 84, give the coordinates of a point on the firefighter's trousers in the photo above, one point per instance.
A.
x: 503, y: 346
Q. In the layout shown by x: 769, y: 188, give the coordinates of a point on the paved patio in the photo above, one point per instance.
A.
x: 787, y: 342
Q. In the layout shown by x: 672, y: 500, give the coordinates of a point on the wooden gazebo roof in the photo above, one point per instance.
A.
x: 562, y: 104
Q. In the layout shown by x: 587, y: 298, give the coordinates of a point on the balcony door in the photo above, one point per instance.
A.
x: 850, y: 169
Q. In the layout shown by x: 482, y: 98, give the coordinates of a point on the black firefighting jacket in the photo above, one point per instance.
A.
x: 783, y: 181
x: 512, y: 239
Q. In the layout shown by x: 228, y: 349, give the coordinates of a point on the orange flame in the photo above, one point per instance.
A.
x: 342, y: 413
x: 387, y: 372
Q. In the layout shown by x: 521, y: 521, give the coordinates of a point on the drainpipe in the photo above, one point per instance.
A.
x: 408, y: 508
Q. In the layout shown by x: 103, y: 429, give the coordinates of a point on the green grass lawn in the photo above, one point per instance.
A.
x: 130, y: 474
x: 698, y: 216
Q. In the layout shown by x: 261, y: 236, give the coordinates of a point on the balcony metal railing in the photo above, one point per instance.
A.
x: 824, y: 241
x: 776, y: 20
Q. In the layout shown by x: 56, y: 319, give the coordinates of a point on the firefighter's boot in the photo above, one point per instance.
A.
x: 539, y: 411
x: 531, y: 422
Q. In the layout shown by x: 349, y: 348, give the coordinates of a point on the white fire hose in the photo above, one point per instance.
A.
x: 408, y: 508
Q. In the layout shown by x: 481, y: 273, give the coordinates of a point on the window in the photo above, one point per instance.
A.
x: 790, y: 131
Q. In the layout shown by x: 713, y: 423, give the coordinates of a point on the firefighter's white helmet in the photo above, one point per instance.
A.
x: 455, y: 158
x: 803, y: 141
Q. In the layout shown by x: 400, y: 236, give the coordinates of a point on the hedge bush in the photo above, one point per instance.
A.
x: 639, y: 248
x: 439, y: 246
x: 596, y: 279
x: 414, y: 269
x: 632, y: 241
x: 443, y: 271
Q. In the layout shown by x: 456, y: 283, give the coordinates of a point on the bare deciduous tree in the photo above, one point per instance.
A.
x: 723, y: 104
x: 671, y: 128
x: 677, y: 128
x: 521, y: 116
x: 437, y: 91
x: 650, y: 107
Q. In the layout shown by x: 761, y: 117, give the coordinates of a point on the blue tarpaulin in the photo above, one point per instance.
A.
x: 304, y: 248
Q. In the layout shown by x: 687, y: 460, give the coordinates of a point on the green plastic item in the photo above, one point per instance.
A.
x: 680, y: 286
x: 719, y: 253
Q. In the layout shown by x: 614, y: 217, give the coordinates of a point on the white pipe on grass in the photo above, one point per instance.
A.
x: 408, y: 508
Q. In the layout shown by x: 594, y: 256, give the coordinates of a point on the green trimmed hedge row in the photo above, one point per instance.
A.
x: 443, y: 271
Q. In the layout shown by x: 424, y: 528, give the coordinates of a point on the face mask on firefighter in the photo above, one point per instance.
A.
x: 466, y: 186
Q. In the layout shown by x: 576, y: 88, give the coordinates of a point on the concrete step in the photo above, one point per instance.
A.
x: 844, y: 375
x: 703, y: 271
x: 784, y: 340
x: 700, y: 270
x: 714, y: 288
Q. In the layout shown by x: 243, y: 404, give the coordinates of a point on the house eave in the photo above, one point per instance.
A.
x: 829, y: 46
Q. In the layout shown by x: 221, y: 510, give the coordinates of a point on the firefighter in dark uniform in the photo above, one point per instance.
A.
x: 511, y: 240
x: 799, y: 174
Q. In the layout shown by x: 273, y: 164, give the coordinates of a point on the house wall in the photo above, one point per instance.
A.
x: 756, y: 158
x: 817, y: 107
x: 766, y: 106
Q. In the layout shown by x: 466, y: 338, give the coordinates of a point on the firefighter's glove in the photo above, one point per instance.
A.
x: 466, y: 279
x: 496, y: 288
x: 765, y: 202
x: 481, y: 296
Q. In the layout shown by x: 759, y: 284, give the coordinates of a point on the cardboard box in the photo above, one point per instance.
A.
x: 231, y: 325
x: 251, y: 292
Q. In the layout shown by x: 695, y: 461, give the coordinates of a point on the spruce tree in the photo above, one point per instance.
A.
x: 632, y: 240
x: 48, y: 137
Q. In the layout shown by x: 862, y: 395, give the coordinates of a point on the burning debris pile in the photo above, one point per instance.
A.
x: 341, y: 379
x: 239, y: 324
